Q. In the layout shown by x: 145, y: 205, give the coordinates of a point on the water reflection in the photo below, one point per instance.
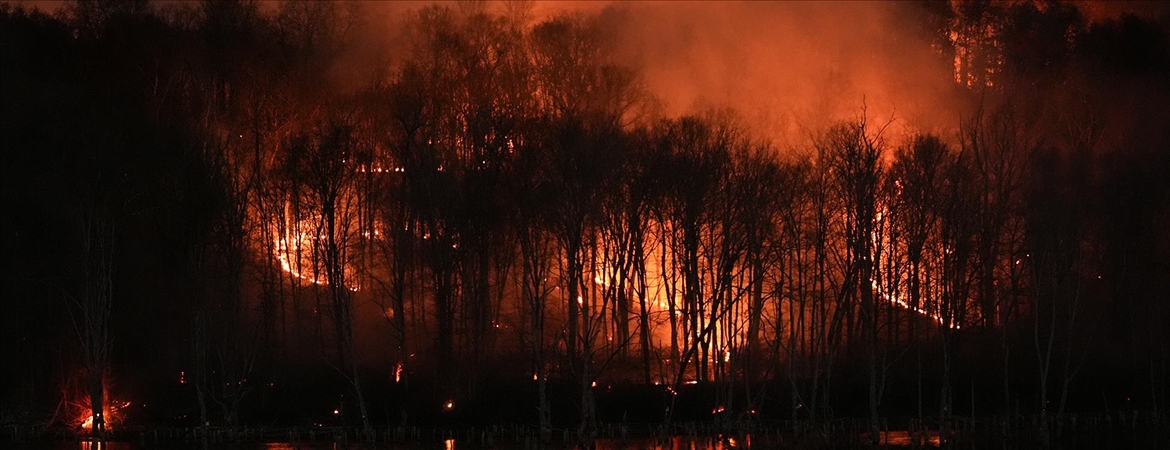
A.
x: 290, y: 446
x: 103, y: 445
x: 903, y: 438
x: 893, y: 438
x: 672, y: 443
x: 678, y: 443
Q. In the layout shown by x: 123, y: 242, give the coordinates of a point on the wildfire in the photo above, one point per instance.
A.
x: 111, y: 411
x: 291, y: 242
x: 287, y: 266
x: 897, y: 301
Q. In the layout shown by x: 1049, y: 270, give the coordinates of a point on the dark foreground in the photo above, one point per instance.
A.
x: 1121, y: 430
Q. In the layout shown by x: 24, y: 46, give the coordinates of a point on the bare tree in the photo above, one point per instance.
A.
x: 917, y: 175
x: 855, y: 159
x: 955, y: 272
x: 997, y: 144
x: 90, y: 310
x: 1057, y: 231
x: 330, y: 156
x: 536, y: 252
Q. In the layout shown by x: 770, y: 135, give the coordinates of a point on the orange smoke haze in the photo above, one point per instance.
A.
x: 787, y: 68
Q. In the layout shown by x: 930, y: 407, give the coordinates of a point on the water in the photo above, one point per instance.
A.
x: 675, y: 443
x: 891, y: 439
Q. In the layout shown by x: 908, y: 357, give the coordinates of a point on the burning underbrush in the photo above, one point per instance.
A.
x: 76, y: 413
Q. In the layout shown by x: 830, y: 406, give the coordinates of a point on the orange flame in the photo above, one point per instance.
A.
x: 111, y: 410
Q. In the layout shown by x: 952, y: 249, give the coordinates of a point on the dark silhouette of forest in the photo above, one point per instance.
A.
x: 229, y: 213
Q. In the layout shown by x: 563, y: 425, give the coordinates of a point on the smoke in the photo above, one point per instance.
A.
x: 1097, y: 11
x: 788, y: 68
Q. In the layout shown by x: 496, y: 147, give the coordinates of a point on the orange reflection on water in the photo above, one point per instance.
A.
x: 904, y: 438
x: 725, y: 442
x: 86, y: 444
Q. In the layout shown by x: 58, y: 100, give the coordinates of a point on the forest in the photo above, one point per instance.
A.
x: 313, y: 214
